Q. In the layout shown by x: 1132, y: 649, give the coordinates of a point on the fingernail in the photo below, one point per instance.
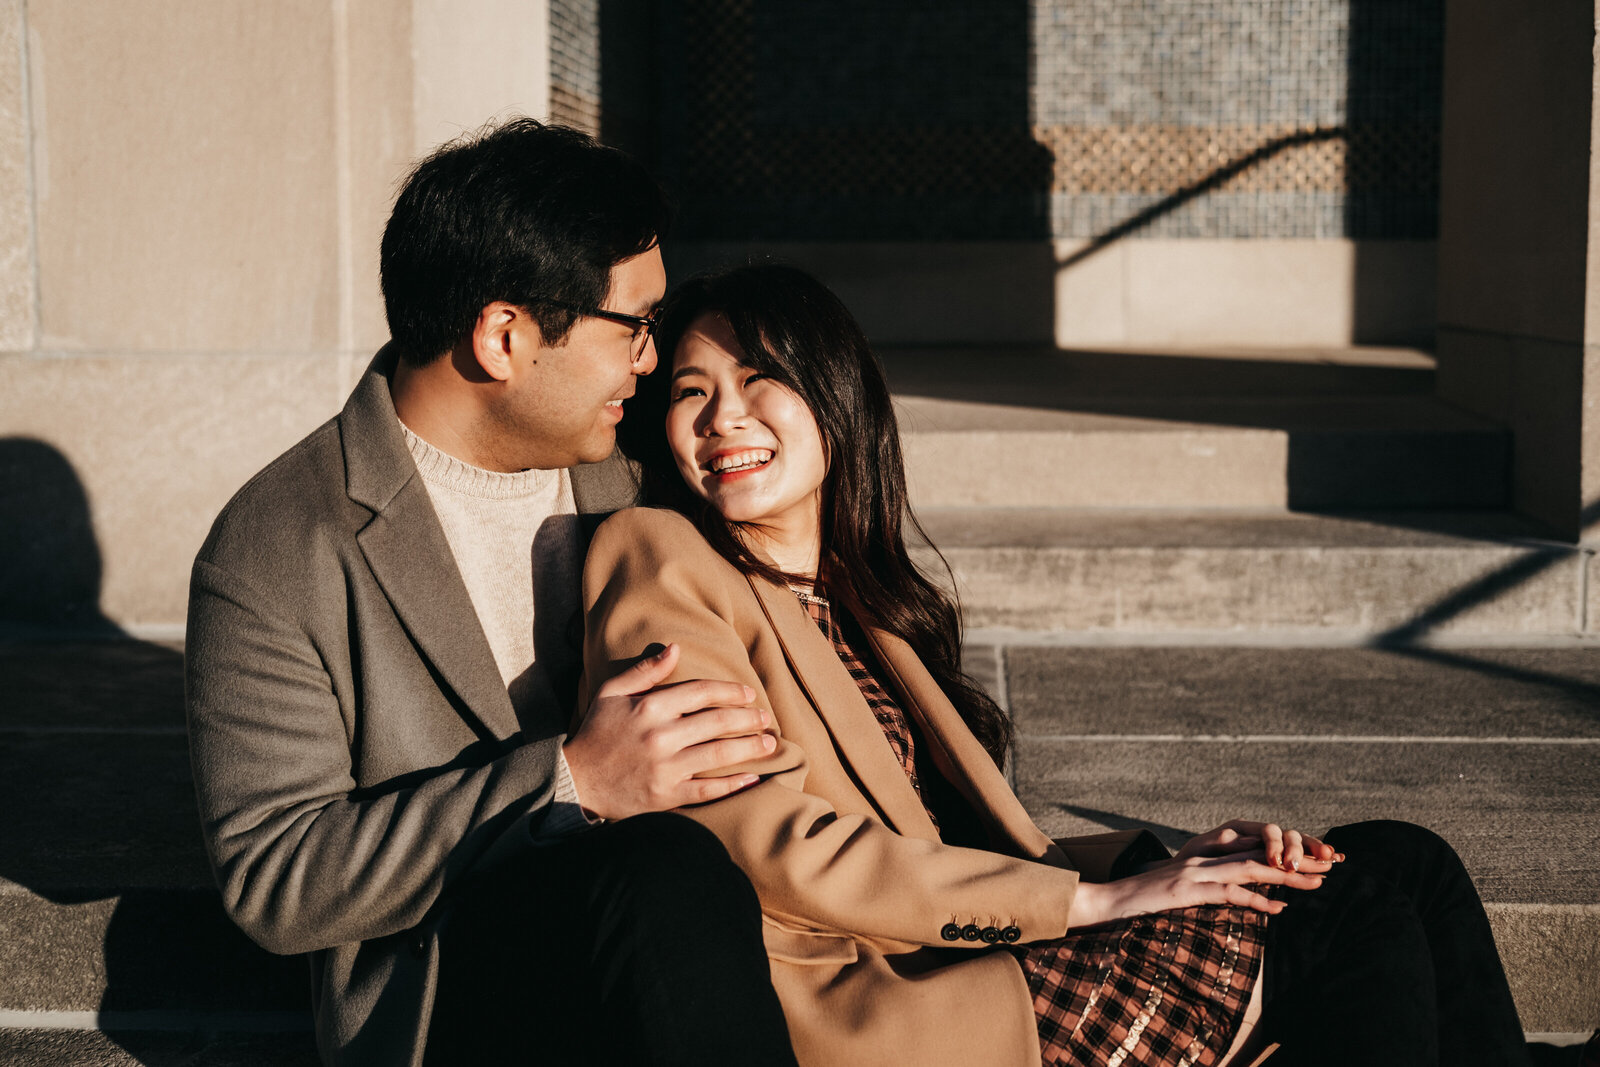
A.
x: 749, y: 779
x: 749, y: 694
x: 766, y: 716
x: 769, y: 742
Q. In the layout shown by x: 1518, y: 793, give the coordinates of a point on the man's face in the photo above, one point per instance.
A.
x: 563, y: 404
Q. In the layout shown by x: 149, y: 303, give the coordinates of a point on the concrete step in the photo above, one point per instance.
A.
x: 1300, y: 429
x: 107, y: 916
x: 1395, y: 576
x: 60, y: 1047
x: 106, y: 903
x: 1498, y: 750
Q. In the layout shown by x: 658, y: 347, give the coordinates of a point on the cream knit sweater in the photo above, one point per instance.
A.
x: 517, y: 543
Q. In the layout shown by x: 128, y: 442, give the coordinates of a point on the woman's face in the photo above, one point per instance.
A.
x: 745, y: 443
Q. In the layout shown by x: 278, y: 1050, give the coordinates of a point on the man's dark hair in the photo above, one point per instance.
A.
x: 521, y: 212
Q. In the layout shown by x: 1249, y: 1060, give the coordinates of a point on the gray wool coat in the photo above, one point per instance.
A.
x: 355, y: 752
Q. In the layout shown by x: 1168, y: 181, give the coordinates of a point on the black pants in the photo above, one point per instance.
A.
x: 1391, y: 961
x: 634, y: 942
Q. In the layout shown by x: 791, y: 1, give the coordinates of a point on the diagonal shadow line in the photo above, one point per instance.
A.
x: 1113, y: 821
x: 1479, y: 591
x: 1210, y: 182
x: 1486, y: 588
x: 1447, y: 658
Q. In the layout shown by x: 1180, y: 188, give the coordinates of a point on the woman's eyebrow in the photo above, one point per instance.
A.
x: 683, y: 371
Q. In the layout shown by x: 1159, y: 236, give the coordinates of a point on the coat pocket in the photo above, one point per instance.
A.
x: 793, y: 944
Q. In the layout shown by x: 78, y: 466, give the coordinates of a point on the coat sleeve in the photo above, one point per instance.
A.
x: 304, y: 858
x: 651, y: 580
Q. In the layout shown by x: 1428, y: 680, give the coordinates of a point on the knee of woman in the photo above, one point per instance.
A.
x: 1397, y: 838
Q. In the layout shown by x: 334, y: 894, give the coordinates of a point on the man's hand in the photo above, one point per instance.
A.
x: 640, y: 746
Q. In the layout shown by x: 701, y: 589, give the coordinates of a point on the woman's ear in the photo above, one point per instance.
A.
x: 494, y: 337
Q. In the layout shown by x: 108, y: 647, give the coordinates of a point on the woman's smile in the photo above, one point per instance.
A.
x: 746, y: 443
x: 728, y: 465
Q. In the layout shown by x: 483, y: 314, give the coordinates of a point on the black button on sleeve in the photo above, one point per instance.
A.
x: 970, y: 932
x: 990, y: 935
x: 950, y: 932
x: 1011, y: 935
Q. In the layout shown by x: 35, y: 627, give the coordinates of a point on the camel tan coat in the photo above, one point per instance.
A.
x: 855, y: 885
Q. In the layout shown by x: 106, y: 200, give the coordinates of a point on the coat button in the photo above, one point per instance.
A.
x: 970, y: 932
x: 1011, y: 935
x: 950, y: 932
x: 990, y: 935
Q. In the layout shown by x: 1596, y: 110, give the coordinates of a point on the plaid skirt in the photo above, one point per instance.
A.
x: 1166, y: 989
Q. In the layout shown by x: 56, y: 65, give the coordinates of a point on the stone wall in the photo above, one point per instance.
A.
x: 1308, y: 132
x: 947, y: 120
x: 191, y: 198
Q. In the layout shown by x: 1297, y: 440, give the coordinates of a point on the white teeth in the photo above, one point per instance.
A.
x: 739, y: 461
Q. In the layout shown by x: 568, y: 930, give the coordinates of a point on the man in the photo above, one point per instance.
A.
x: 380, y: 663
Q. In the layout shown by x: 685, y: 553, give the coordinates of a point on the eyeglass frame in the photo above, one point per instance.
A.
x: 643, y: 325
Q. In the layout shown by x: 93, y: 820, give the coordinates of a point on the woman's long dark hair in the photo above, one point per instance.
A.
x: 793, y: 329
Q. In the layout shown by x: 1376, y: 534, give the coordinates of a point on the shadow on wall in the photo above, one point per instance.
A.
x: 833, y: 133
x: 49, y: 558
x: 100, y: 829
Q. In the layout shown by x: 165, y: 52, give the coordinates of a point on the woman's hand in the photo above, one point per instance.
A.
x: 1285, y: 849
x: 1186, y: 881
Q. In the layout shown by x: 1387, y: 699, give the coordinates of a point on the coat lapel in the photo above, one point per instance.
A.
x: 856, y: 734
x: 965, y: 761
x: 406, y: 549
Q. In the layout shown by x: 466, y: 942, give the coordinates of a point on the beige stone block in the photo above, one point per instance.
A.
x: 1322, y: 292
x: 1154, y: 589
x: 477, y: 60
x: 1516, y: 168
x: 159, y: 444
x: 1395, y: 297
x: 1546, y: 424
x: 970, y: 292
x: 380, y: 146
x: 1242, y: 292
x: 17, y: 268
x: 1551, y: 954
x: 1589, y: 412
x: 186, y: 175
x: 1476, y: 371
x: 1177, y: 467
x: 1091, y: 294
x: 1591, y: 585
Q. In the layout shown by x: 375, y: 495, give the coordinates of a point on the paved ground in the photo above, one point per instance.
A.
x: 106, y: 903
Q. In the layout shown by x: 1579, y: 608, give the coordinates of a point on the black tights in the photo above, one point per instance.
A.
x: 634, y: 942
x: 1391, y: 961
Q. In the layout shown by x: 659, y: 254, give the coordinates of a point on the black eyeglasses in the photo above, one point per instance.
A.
x: 642, y: 324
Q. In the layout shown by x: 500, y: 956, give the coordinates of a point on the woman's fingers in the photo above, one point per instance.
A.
x: 1272, y: 843
x: 1294, y: 849
x: 1225, y: 839
x: 1244, y: 896
x: 1319, y: 848
x: 1253, y: 867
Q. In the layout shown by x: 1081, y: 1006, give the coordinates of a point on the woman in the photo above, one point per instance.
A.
x: 913, y: 912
